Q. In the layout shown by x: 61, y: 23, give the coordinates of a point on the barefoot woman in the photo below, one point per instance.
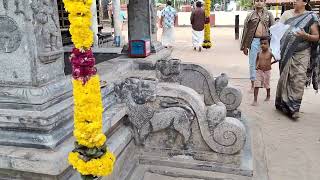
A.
x: 295, y: 56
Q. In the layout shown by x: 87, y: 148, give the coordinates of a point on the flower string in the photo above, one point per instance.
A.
x: 207, y: 29
x: 90, y: 157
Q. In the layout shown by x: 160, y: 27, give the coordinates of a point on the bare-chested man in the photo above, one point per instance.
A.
x: 256, y: 25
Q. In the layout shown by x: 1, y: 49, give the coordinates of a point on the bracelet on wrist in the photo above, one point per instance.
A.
x: 307, y: 36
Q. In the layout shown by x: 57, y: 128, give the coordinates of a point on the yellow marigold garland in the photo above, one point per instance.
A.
x: 90, y: 156
x: 207, y: 29
x: 100, y: 167
x: 80, y: 22
x: 88, y: 113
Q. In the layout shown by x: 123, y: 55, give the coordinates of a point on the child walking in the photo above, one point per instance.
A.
x: 264, y: 63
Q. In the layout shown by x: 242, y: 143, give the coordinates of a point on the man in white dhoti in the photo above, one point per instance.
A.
x: 198, y: 19
x: 167, y: 23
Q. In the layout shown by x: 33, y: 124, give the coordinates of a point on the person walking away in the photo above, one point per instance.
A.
x: 256, y: 25
x: 167, y: 23
x: 198, y: 19
x: 297, y: 45
x: 122, y: 18
x: 264, y: 63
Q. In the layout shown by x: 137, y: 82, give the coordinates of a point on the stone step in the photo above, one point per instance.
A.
x: 140, y: 73
x: 108, y: 96
x: 112, y: 116
x: 123, y: 147
x: 112, y: 70
x: 185, y: 163
x: 146, y: 172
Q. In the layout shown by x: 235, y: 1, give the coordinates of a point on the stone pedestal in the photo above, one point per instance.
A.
x: 35, y: 103
x: 142, y: 22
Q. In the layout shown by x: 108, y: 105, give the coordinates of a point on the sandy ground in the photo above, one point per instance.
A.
x: 291, y: 149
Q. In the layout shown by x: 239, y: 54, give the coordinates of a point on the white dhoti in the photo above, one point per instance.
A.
x: 197, y: 38
x: 168, y: 36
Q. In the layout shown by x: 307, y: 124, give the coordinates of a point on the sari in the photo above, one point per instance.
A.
x: 294, y: 63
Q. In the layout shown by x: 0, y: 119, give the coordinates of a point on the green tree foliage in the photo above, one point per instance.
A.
x: 246, y: 4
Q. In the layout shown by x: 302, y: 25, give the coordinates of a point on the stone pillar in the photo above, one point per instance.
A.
x: 116, y: 19
x: 35, y: 95
x: 94, y: 26
x: 142, y: 22
x: 237, y: 27
x: 104, y: 7
x: 155, y: 44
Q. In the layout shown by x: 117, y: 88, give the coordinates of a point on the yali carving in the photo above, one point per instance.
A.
x: 168, y: 71
x: 149, y: 114
x: 174, y: 109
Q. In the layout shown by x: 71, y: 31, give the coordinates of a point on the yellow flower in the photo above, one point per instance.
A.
x: 88, y: 113
x: 80, y: 22
x: 88, y: 107
x: 96, y: 167
x: 207, y: 28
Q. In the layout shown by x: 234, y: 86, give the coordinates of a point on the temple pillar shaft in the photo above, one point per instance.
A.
x: 94, y: 26
x: 117, y: 20
x: 142, y: 22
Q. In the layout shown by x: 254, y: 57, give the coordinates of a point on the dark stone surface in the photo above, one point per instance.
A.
x: 100, y: 57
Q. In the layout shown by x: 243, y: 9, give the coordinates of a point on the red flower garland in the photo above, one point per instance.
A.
x: 82, y: 64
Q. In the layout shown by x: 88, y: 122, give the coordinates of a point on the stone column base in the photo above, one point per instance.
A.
x: 156, y: 46
x: 38, y: 117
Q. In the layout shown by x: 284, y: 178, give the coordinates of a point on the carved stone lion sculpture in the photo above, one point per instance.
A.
x: 172, y: 110
x: 147, y: 114
x: 168, y: 71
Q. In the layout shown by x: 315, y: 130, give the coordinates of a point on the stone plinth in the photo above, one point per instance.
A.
x: 35, y: 103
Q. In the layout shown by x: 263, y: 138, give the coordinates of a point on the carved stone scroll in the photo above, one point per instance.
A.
x: 199, y: 79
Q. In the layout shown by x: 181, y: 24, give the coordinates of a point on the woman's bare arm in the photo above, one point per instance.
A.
x: 314, y: 34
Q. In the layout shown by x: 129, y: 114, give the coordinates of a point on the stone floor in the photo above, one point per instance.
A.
x: 286, y: 150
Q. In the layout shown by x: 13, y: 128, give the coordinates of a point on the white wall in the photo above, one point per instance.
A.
x: 222, y: 18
